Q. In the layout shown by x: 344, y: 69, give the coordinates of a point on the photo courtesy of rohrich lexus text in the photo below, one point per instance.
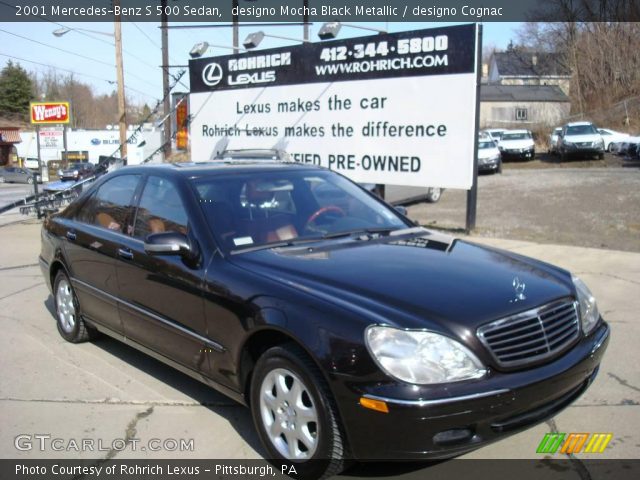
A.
x: 319, y: 239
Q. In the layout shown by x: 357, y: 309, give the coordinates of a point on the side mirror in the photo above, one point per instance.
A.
x: 402, y: 210
x: 167, y: 243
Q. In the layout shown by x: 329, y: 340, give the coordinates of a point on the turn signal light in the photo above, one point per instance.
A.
x: 377, y: 405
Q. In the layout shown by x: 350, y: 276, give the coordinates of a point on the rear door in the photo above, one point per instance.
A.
x: 92, y: 239
x: 162, y: 307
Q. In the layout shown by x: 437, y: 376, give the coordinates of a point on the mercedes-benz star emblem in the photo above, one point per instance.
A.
x: 212, y: 74
x: 519, y: 287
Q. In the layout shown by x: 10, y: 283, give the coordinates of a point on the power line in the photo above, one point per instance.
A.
x: 57, y: 48
x: 69, y: 52
x: 111, y: 82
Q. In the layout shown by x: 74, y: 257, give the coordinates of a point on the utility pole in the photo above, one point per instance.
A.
x: 122, y: 108
x: 236, y: 29
x: 165, y: 81
x: 305, y: 19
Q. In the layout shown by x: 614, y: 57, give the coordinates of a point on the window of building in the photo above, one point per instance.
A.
x: 521, y: 114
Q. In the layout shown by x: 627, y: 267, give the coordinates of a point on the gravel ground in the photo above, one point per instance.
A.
x: 590, y: 207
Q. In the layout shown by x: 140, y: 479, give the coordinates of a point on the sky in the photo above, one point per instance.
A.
x: 91, y: 55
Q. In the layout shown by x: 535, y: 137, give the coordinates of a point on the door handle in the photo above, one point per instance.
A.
x: 125, y: 253
x: 71, y: 235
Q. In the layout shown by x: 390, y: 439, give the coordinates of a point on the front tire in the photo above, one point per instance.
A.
x: 295, y: 415
x: 434, y: 194
x: 70, y: 324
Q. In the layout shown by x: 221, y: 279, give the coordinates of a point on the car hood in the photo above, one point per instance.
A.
x: 424, y: 282
x: 583, y: 138
x: 488, y: 152
x: 516, y: 143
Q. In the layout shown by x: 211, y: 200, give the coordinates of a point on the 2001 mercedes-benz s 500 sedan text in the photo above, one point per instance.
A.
x: 340, y: 323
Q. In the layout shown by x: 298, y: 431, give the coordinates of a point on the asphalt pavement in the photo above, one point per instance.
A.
x: 108, y: 391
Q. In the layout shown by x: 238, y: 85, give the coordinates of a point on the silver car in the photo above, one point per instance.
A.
x: 16, y: 175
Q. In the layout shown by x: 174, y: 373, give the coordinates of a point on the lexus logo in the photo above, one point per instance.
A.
x: 212, y: 74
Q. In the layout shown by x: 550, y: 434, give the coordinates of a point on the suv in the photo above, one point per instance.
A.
x: 77, y: 171
x: 517, y: 145
x: 580, y: 139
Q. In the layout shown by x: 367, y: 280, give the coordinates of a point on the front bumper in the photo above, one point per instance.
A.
x: 518, y: 154
x: 489, y: 165
x: 473, y: 414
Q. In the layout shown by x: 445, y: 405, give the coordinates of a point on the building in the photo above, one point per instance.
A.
x: 9, y: 138
x: 522, y: 106
x: 517, y: 67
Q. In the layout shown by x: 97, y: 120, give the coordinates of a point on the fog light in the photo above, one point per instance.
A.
x: 371, y: 404
x: 449, y: 437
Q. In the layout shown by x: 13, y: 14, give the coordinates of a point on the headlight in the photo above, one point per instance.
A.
x: 59, y: 173
x: 416, y: 356
x: 599, y: 143
x: 589, y: 314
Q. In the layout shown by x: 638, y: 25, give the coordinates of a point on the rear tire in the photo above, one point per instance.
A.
x: 71, y: 325
x: 295, y: 414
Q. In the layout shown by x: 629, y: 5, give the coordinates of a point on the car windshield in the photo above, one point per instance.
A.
x: 77, y: 165
x: 516, y: 136
x: 258, y: 209
x: 581, y: 130
x: 486, y: 144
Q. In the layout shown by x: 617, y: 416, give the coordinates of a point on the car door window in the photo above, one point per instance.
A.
x: 161, y: 209
x: 110, y: 206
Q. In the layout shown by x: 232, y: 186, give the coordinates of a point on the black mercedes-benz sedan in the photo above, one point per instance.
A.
x: 348, y: 330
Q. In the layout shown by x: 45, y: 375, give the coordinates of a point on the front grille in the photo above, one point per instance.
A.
x: 584, y: 144
x: 532, y: 336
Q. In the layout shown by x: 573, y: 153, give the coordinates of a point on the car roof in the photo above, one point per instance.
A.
x: 517, y: 131
x: 577, y: 124
x: 220, y: 167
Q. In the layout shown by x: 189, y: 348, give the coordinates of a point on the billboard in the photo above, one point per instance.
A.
x: 390, y: 108
x: 45, y: 113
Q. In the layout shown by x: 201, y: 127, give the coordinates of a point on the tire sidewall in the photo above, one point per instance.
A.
x: 69, y: 336
x: 279, y: 357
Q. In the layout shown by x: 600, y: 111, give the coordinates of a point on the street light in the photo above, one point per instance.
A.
x: 122, y: 111
x: 61, y: 31
x: 330, y: 30
x: 200, y: 48
x: 254, y: 39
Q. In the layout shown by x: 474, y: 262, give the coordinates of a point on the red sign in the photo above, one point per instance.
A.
x: 48, y: 113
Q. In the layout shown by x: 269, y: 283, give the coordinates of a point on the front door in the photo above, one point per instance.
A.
x: 161, y: 304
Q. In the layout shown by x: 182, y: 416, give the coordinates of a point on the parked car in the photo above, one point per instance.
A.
x: 495, y: 133
x: 580, y: 139
x: 16, y: 175
x: 611, y: 137
x: 624, y: 148
x: 77, y: 171
x: 517, y: 145
x: 340, y: 323
x: 553, y: 140
x: 489, y: 158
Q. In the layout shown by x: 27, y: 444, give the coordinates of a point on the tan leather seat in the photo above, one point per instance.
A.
x: 107, y: 221
x: 156, y: 225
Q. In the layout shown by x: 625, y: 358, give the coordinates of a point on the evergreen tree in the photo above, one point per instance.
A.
x: 16, y: 91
